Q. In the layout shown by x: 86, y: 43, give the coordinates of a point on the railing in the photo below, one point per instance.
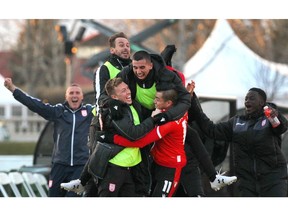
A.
x: 27, y: 130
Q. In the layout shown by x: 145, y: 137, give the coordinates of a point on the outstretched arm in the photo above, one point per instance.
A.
x: 47, y: 111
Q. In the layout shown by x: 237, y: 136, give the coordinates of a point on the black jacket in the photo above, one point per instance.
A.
x: 256, y: 144
x: 126, y: 128
x: 161, y: 76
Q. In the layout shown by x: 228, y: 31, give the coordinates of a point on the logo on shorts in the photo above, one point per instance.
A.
x: 50, y: 183
x: 112, y: 187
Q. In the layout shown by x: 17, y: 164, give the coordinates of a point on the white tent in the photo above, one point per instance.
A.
x: 6, y: 99
x: 6, y: 95
x: 225, y: 66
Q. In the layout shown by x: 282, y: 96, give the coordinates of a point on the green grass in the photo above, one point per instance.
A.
x: 17, y: 148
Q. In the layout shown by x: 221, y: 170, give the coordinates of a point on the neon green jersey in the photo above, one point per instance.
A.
x: 129, y: 156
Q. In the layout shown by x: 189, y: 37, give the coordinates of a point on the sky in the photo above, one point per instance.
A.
x: 9, y: 30
x: 128, y: 9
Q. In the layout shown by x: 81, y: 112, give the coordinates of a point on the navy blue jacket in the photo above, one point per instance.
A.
x: 71, y: 128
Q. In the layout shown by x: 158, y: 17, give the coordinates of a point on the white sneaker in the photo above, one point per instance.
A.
x: 73, y: 185
x: 222, y: 181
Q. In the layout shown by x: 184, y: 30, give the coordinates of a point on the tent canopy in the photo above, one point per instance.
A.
x: 226, y: 66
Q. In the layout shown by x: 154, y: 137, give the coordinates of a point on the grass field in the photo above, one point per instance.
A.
x: 17, y: 148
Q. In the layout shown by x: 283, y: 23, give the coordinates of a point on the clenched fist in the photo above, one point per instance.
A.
x: 9, y: 84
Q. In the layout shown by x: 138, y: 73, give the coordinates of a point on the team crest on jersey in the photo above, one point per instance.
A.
x: 84, y: 112
x: 112, y: 187
x: 264, y: 122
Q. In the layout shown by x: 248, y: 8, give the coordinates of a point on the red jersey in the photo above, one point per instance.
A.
x: 169, y: 139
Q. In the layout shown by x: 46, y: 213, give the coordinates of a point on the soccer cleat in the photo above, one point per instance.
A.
x: 73, y: 185
x: 222, y: 181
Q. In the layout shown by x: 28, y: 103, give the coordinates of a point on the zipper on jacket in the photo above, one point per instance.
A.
x: 72, y: 139
x: 57, y: 142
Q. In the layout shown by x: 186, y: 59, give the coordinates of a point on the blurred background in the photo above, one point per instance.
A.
x: 225, y: 57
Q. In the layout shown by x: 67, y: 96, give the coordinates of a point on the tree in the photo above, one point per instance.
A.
x: 38, y: 57
x: 267, y: 38
x: 8, y: 33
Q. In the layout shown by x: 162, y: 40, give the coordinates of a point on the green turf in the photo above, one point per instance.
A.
x: 17, y: 148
